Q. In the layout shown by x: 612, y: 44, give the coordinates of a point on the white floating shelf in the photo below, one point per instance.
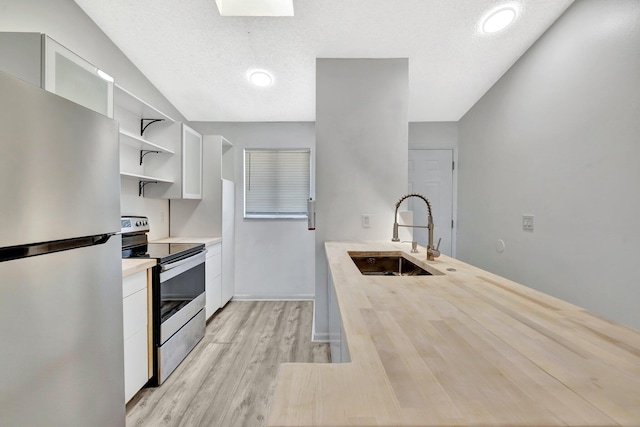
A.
x: 145, y: 178
x: 134, y: 140
x: 137, y: 106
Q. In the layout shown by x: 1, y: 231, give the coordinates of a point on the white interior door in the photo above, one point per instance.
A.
x: 431, y: 174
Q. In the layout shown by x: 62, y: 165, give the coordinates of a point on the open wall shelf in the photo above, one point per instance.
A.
x: 140, y: 143
x: 137, y: 106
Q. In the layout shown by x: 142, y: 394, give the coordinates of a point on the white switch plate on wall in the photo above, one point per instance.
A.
x: 527, y: 222
x: 366, y: 221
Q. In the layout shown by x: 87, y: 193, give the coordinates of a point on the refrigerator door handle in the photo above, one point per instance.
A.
x: 32, y: 249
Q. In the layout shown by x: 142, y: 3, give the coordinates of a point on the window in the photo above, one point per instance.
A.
x: 276, y: 183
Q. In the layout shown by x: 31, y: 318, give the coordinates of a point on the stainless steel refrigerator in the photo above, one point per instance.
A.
x: 61, y: 342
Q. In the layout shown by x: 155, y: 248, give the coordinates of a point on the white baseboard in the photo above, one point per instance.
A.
x: 317, y: 337
x: 292, y: 297
x: 320, y: 337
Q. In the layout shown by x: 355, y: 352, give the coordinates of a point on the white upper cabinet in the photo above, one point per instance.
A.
x: 68, y: 75
x: 191, y: 163
x: 206, y: 218
x: 163, y: 155
x: 184, y: 168
x: 42, y: 61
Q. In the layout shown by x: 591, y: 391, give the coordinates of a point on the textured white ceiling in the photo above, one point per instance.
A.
x: 199, y: 59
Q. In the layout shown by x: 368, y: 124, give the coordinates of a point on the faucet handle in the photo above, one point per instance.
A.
x: 433, y: 253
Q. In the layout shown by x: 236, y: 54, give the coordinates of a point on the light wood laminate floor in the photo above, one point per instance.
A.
x: 229, y: 377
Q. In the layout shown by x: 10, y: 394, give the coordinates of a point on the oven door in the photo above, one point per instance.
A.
x: 181, y: 286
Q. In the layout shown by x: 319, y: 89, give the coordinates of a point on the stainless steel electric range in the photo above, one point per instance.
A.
x: 178, y: 294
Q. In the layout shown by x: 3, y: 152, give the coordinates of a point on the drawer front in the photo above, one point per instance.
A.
x: 134, y: 309
x: 134, y: 283
x: 214, y: 249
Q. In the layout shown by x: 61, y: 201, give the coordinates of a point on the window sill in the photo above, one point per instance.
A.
x: 275, y: 217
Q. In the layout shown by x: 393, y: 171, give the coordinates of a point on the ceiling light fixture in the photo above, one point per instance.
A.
x: 499, y: 19
x: 260, y: 78
x: 104, y: 75
x: 255, y: 7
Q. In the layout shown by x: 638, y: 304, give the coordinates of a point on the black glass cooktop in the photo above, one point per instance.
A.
x: 163, y: 252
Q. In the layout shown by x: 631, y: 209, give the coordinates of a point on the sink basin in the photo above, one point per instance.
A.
x: 387, y: 264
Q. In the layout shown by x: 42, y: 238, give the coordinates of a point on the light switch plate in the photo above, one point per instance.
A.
x: 366, y: 221
x: 527, y: 222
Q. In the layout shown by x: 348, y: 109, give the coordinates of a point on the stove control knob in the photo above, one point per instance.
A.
x: 138, y: 223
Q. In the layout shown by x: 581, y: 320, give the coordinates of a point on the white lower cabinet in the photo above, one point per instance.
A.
x: 135, y: 332
x: 213, y: 279
x: 228, y: 240
x: 135, y: 364
x: 337, y: 339
x: 182, y: 170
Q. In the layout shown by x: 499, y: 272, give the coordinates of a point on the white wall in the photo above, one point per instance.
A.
x: 361, y: 156
x: 274, y: 258
x: 433, y: 135
x: 558, y: 137
x: 157, y: 210
x: 65, y: 22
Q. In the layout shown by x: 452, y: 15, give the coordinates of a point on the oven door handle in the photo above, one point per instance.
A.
x: 174, y: 268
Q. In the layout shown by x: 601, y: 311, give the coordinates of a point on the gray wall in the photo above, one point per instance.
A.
x: 558, y: 137
x: 65, y: 22
x: 433, y: 135
x: 361, y: 156
x: 274, y: 258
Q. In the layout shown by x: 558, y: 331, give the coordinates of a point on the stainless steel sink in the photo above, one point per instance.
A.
x: 387, y: 264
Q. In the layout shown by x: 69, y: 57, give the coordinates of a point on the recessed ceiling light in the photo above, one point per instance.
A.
x: 260, y: 78
x: 255, y: 7
x: 499, y: 20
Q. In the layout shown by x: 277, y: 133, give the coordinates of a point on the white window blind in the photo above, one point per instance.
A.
x: 276, y: 183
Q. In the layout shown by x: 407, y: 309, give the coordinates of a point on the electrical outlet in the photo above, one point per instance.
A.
x: 527, y: 222
x: 366, y: 221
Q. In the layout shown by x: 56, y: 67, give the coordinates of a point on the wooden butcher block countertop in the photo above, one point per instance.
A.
x: 466, y: 348
x: 131, y: 266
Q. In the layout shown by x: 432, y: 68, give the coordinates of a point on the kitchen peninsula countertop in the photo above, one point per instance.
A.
x: 466, y: 348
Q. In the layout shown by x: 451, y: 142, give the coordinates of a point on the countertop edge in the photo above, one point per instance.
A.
x: 132, y: 266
